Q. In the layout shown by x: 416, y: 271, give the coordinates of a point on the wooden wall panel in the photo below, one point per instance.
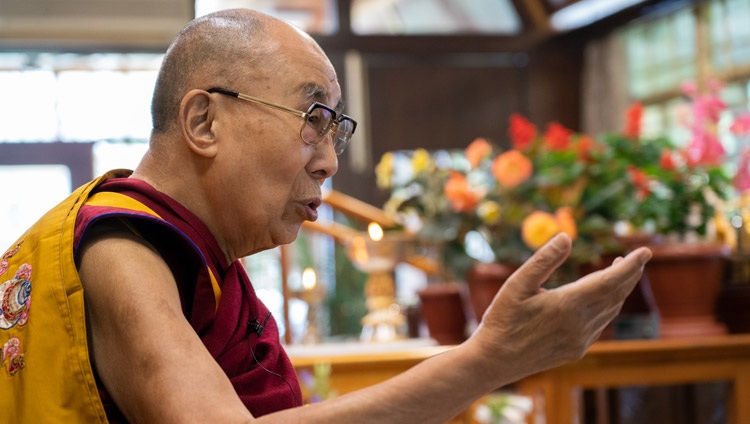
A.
x: 441, y: 101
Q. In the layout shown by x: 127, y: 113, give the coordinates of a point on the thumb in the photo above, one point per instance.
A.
x: 528, y: 279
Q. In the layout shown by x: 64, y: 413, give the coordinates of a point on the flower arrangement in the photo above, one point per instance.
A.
x: 492, y: 204
x: 679, y: 190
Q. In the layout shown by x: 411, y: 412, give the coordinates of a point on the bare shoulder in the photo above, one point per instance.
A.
x: 112, y: 256
x: 147, y: 355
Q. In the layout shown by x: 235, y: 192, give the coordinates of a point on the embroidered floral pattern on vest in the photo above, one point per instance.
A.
x: 7, y: 255
x: 15, y: 298
x: 12, y: 354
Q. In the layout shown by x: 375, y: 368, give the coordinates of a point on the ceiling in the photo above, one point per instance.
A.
x: 151, y: 24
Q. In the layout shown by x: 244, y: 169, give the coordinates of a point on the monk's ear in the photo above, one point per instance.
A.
x: 197, y: 111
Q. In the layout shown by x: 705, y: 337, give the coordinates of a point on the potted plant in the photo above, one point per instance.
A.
x: 679, y: 194
x: 491, y: 208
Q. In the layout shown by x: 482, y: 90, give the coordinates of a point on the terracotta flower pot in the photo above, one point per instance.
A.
x: 686, y: 280
x: 443, y: 312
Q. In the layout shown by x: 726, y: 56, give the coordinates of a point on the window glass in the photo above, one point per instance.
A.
x: 661, y: 54
x: 74, y: 97
x: 33, y: 189
x: 28, y: 107
x: 97, y: 105
x: 730, y: 33
x: 405, y: 17
x: 312, y: 16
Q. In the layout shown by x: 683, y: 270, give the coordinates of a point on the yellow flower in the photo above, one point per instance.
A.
x: 538, y: 228
x: 490, y: 212
x: 384, y: 170
x: 421, y: 161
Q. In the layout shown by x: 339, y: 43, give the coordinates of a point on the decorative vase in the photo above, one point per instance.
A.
x: 686, y: 280
x: 443, y: 312
x: 484, y: 281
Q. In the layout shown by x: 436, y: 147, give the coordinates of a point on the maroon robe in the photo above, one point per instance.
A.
x: 229, y: 329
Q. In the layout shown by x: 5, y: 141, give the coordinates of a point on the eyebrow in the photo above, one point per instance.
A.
x: 316, y: 93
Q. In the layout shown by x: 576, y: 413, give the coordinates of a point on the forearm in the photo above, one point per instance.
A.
x: 435, y: 390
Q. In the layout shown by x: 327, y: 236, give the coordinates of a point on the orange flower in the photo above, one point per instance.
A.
x: 479, y: 149
x: 521, y: 132
x: 511, y: 168
x: 538, y: 228
x: 585, y: 146
x: 633, y: 118
x: 459, y: 193
x: 567, y: 222
x: 557, y: 137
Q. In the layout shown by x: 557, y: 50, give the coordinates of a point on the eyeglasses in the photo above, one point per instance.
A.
x: 318, y: 120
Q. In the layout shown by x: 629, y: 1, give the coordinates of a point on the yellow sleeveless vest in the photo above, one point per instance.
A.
x: 46, y: 374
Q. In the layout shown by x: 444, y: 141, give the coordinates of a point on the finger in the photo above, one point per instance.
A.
x: 527, y: 280
x: 623, y: 274
x: 634, y: 260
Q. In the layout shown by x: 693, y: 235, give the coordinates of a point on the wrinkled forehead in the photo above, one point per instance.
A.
x: 314, y: 92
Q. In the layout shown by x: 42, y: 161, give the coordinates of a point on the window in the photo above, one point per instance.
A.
x: 312, y: 16
x: 664, y: 54
x: 661, y: 54
x: 411, y: 17
x: 72, y: 98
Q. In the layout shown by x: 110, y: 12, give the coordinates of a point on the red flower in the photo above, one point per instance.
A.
x: 667, y: 161
x: 633, y: 117
x: 557, y: 136
x: 640, y: 179
x: 521, y: 131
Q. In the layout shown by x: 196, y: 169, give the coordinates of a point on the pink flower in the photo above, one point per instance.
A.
x: 741, y: 180
x: 741, y: 125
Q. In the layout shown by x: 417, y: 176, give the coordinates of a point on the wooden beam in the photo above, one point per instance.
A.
x: 358, y: 209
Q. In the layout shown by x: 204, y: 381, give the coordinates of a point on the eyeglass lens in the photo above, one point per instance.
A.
x: 319, y: 123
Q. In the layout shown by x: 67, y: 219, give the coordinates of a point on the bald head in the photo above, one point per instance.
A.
x: 213, y: 50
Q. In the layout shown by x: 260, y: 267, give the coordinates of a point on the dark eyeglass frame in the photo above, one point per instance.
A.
x: 341, y: 137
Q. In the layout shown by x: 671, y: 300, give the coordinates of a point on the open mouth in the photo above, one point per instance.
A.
x: 311, y: 208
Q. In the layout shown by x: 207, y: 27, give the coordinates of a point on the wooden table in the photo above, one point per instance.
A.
x: 358, y: 365
x: 355, y: 366
x: 556, y: 393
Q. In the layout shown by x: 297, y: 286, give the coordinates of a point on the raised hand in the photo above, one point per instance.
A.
x: 529, y: 329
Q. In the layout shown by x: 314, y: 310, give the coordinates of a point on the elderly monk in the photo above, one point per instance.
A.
x: 141, y: 309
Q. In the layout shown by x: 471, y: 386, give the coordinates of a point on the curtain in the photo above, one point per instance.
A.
x: 605, y: 85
